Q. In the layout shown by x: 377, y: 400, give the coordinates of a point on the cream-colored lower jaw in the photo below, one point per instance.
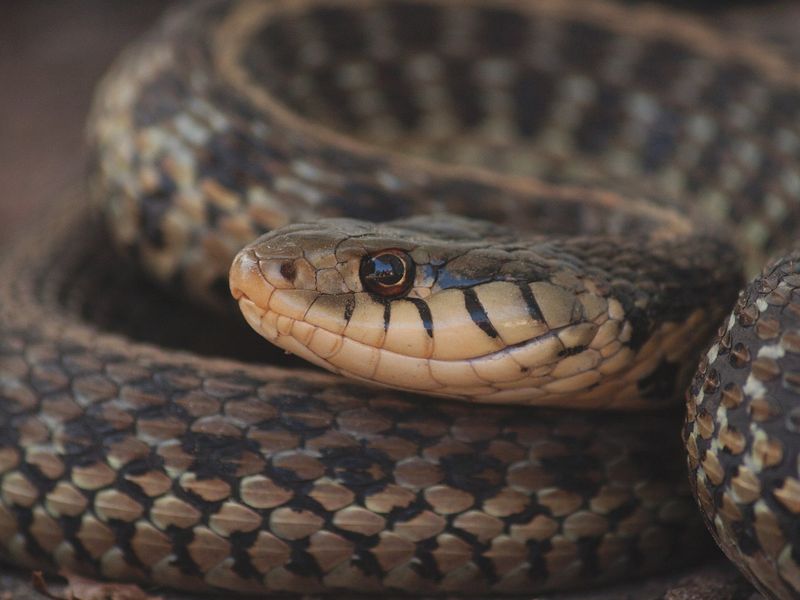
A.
x: 497, y: 378
x: 282, y: 331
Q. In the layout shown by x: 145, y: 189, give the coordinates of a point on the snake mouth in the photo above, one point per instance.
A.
x: 326, y: 349
x: 540, y: 371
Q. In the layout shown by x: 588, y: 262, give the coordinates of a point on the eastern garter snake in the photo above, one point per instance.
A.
x: 638, y: 136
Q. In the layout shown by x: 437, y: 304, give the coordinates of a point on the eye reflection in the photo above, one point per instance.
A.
x: 388, y: 273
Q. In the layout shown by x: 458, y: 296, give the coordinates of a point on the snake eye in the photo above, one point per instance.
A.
x: 389, y: 273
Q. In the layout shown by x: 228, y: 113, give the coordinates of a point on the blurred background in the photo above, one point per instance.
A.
x: 53, y: 52
x: 51, y: 55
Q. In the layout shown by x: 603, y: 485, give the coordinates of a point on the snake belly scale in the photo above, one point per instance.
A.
x: 544, y: 203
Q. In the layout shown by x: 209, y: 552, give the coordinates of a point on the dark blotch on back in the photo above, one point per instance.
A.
x: 416, y: 26
x: 661, y: 64
x: 464, y: 96
x: 152, y: 209
x: 395, y: 91
x: 272, y: 45
x: 159, y: 101
x: 502, y: 31
x: 601, y: 121
x: 730, y: 84
x: 661, y: 141
x: 584, y: 46
x: 747, y: 542
x: 341, y: 29
x: 534, y: 93
x: 641, y: 324
x: 325, y: 81
x: 366, y: 203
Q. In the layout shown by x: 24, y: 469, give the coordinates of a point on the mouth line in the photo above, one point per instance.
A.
x: 265, y: 312
x: 537, y: 371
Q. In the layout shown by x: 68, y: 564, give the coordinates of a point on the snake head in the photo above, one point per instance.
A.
x: 438, y: 308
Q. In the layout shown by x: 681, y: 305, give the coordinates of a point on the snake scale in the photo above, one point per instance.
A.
x: 544, y: 203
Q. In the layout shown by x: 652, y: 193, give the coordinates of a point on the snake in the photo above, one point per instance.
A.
x: 508, y: 229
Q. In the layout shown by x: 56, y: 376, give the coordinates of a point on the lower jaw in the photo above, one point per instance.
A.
x: 297, y: 337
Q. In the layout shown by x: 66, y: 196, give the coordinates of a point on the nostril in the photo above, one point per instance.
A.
x: 288, y: 271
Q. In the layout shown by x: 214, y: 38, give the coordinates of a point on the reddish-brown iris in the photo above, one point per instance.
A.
x: 388, y: 273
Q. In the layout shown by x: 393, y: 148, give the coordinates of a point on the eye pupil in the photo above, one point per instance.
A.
x: 388, y: 269
x: 389, y: 273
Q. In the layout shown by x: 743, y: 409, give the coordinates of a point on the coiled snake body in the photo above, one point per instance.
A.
x: 657, y: 151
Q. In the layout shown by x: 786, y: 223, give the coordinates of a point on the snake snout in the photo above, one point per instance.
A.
x: 249, y: 287
x: 246, y: 279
